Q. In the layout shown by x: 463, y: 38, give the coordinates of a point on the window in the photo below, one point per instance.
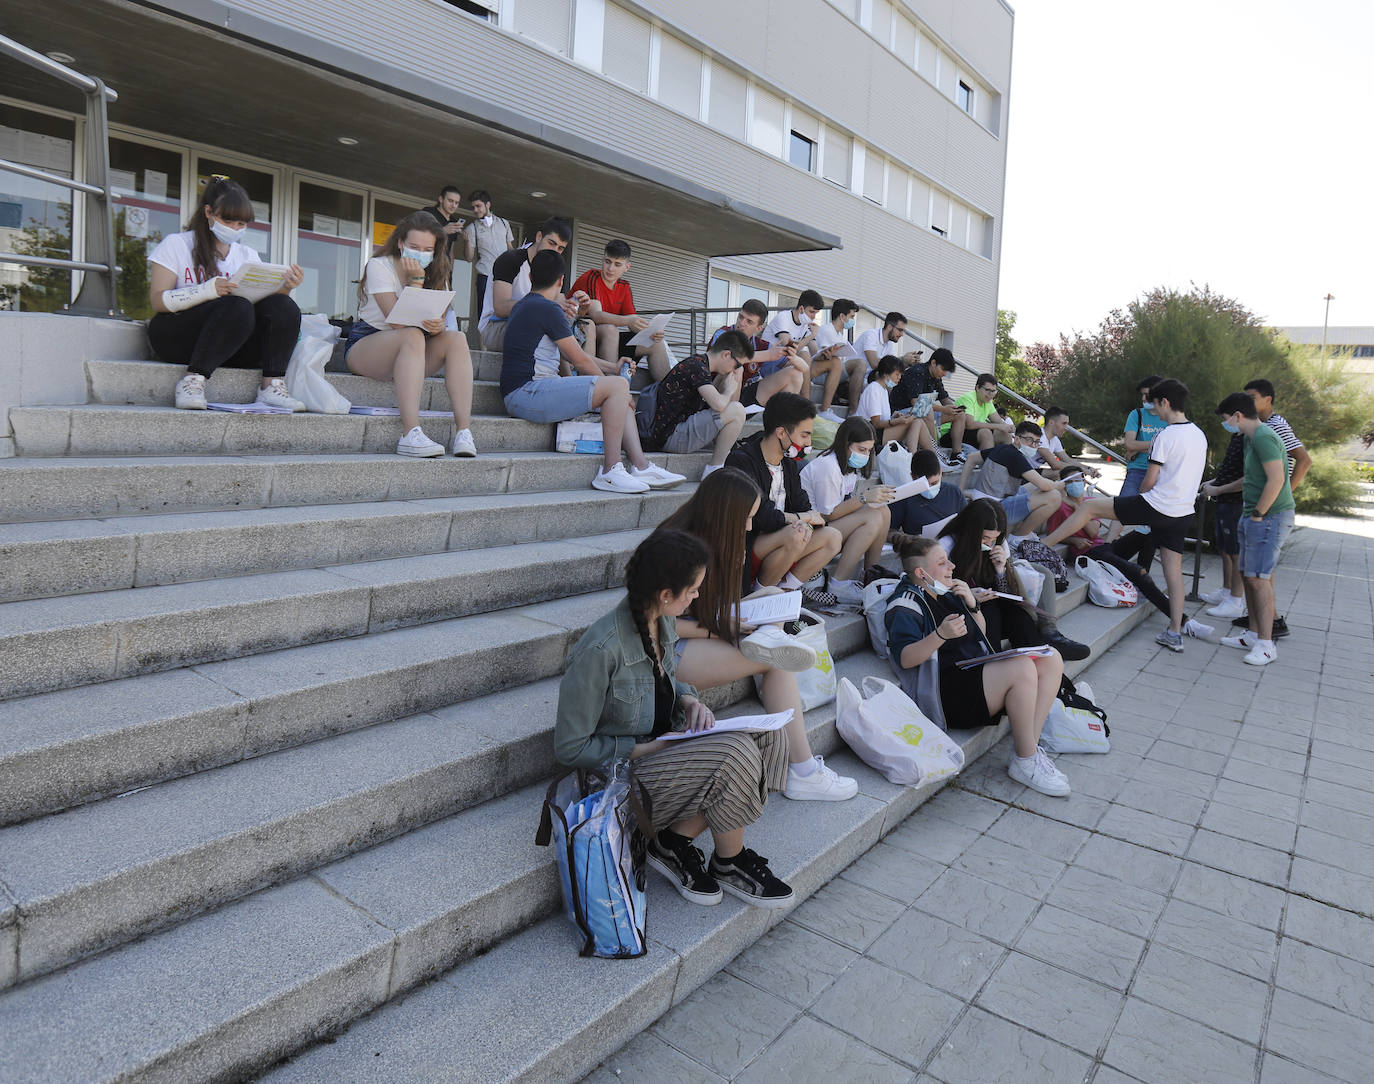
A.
x: 766, y: 131
x: 727, y: 101
x: 717, y: 299
x: 329, y: 231
x: 1364, y: 352
x: 802, y: 152
x: 147, y: 183
x: 752, y: 293
x: 548, y: 22
x: 679, y: 76
x: 881, y: 27
x: 836, y: 159
x: 965, y: 97
x: 625, y: 49
x: 920, y: 202
x: 904, y: 40
x: 483, y: 9
x: 36, y: 215
x: 875, y: 177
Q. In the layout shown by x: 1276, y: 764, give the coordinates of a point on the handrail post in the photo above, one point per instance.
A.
x: 99, y: 293
x: 1199, y: 505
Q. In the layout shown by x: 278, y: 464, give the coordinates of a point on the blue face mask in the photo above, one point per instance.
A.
x: 1149, y: 408
x: 1074, y: 489
x: 1230, y: 428
x: 929, y: 494
x: 858, y: 460
x: 849, y: 323
x: 422, y: 258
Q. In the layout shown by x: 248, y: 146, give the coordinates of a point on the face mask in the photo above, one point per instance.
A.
x: 849, y: 323
x: 929, y: 494
x: 1230, y: 428
x: 792, y: 450
x: 1074, y: 489
x: 225, y: 234
x: 985, y: 548
x: 936, y: 587
x: 889, y: 384
x: 858, y: 460
x: 422, y: 258
x: 1149, y: 408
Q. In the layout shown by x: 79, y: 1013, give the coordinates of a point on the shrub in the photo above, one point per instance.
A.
x: 1330, y: 488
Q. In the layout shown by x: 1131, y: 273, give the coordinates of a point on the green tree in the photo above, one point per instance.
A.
x: 46, y: 289
x: 1012, y: 369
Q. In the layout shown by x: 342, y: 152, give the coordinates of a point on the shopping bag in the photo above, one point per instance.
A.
x: 580, y: 435
x: 1075, y: 724
x: 894, y: 464
x: 305, y: 379
x: 891, y: 734
x: 822, y: 434
x: 1106, y: 586
x: 875, y: 599
x: 817, y: 685
x: 600, y: 827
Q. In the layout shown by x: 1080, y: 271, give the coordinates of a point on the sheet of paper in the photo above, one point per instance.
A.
x: 1011, y: 653
x: 416, y: 305
x: 738, y: 722
x: 1013, y: 598
x: 350, y: 231
x: 846, y: 351
x: 326, y: 224
x: 932, y: 530
x: 256, y: 280
x: 752, y: 409
x: 135, y: 222
x: 656, y: 324
x: 392, y: 412
x: 911, y: 489
x: 122, y: 181
x: 771, y: 609
x: 154, y: 184
x: 248, y: 408
x: 262, y: 211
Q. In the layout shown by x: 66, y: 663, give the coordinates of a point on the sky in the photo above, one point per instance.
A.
x: 1189, y: 141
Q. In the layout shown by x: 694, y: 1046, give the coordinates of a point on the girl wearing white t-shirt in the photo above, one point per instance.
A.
x: 198, y: 322
x: 416, y: 254
x: 875, y: 405
x: 830, y: 481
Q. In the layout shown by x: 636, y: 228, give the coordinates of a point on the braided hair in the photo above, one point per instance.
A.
x: 667, y: 560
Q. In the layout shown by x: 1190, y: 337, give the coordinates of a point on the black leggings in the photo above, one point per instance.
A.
x: 1137, y: 545
x: 1133, y: 572
x: 229, y: 331
x: 1010, y: 621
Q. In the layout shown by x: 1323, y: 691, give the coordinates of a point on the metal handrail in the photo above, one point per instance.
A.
x: 98, y: 295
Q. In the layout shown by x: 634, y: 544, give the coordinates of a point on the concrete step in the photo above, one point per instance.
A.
x: 44, y: 559
x: 74, y: 640
x: 72, y: 487
x: 109, y: 871
x: 234, y: 990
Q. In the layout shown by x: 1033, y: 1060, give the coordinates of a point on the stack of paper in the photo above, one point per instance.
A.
x: 739, y: 722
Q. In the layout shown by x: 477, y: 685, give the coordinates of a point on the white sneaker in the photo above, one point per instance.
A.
x: 1230, y: 606
x: 1040, y: 774
x: 830, y: 416
x: 190, y: 393
x: 463, y: 445
x: 1245, y: 641
x: 276, y: 395
x: 773, y: 647
x: 418, y: 446
x: 618, y: 480
x: 847, y: 592
x: 1197, y: 629
x: 822, y: 785
x: 657, y: 477
x: 1215, y: 598
x: 707, y: 470
x: 1261, y: 655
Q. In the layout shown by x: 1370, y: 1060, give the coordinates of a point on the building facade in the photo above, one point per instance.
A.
x: 753, y: 149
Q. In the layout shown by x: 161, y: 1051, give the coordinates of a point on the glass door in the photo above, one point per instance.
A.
x: 329, y: 248
x: 147, y: 204
x: 261, y: 186
x: 35, y: 216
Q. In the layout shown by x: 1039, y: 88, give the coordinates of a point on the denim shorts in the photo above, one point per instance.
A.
x: 553, y: 400
x: 1017, y: 507
x: 1227, y: 515
x: 359, y: 330
x: 768, y: 368
x: 1261, y: 542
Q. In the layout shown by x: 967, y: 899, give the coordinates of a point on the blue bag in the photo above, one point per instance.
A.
x: 602, y: 829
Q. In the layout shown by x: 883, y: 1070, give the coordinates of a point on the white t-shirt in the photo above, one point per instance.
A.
x: 827, y: 337
x: 875, y: 402
x: 872, y: 339
x: 380, y: 277
x: 1054, y: 444
x: 777, y: 487
x: 825, y: 484
x: 1181, y: 451
x: 546, y: 353
x: 783, y: 322
x: 174, y: 252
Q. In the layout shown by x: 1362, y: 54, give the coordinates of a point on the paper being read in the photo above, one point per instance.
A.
x: 739, y: 722
x: 910, y: 489
x: 416, y: 305
x: 657, y: 324
x: 256, y: 280
x: 771, y: 609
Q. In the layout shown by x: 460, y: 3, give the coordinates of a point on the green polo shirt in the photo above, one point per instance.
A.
x: 979, y: 412
x: 1264, y: 447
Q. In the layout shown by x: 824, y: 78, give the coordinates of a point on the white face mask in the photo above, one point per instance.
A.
x: 936, y: 587
x: 422, y: 258
x: 225, y: 234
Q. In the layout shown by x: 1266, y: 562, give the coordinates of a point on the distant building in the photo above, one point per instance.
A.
x: 1358, y: 342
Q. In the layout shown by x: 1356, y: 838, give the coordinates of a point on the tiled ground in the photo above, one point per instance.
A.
x: 1199, y: 909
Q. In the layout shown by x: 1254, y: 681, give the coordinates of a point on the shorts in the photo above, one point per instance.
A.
x: 360, y: 330
x: 1017, y: 507
x: 963, y: 699
x: 695, y: 433
x: 1135, y: 478
x: 553, y: 400
x: 1261, y: 542
x: 1228, y: 525
x: 1170, y: 532
x: 749, y: 394
x: 493, y: 336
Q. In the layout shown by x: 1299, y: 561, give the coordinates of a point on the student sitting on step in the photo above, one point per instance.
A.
x: 773, y: 368
x: 198, y: 322
x: 934, y: 621
x: 416, y: 254
x: 790, y: 542
x: 558, y: 399
x: 686, y: 412
x: 621, y: 692
x: 715, y: 648
x: 930, y: 509
x: 875, y: 404
x: 832, y: 481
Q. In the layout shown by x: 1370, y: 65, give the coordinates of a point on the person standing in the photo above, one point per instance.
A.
x: 486, y: 237
x: 445, y: 212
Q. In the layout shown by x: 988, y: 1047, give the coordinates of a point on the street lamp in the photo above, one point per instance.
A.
x: 1328, y: 299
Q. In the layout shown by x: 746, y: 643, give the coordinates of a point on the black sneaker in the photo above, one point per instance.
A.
x: 955, y: 459
x: 819, y: 600
x: 1241, y: 622
x: 685, y: 868
x: 1279, y: 631
x: 1069, y: 650
x: 747, y: 876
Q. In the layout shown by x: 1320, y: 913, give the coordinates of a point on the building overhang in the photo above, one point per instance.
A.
x: 275, y: 93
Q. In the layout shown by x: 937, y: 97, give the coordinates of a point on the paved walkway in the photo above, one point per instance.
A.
x: 1199, y: 909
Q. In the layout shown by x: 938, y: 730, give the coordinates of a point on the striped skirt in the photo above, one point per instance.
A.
x: 724, y: 777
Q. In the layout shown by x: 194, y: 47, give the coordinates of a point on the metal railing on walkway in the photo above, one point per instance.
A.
x: 98, y: 295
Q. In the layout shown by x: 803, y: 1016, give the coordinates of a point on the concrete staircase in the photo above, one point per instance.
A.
x: 275, y: 717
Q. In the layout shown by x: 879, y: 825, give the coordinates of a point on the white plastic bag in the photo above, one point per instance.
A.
x: 305, y: 378
x: 1032, y: 580
x: 890, y: 734
x: 817, y: 685
x: 894, y: 464
x: 1075, y: 724
x: 1106, y: 586
x: 875, y: 599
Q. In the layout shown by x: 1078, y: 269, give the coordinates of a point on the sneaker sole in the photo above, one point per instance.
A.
x: 1260, y: 662
x: 1039, y: 790
x: 420, y: 454
x: 769, y: 903
x: 827, y: 797
x: 691, y: 896
x: 464, y: 455
x: 660, y: 485
x: 192, y: 406
x: 1177, y: 649
x: 793, y: 658
x: 618, y: 489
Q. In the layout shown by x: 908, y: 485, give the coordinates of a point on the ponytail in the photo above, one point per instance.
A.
x: 227, y: 199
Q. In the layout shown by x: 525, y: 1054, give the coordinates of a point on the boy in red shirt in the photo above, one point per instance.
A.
x: 613, y: 313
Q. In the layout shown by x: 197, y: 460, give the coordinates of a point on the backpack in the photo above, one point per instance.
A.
x: 645, y: 409
x: 1106, y: 586
x: 875, y: 599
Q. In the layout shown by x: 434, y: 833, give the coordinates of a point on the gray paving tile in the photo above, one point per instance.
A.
x: 1107, y: 1075
x: 1239, y: 856
x: 1336, y: 821
x: 1097, y: 896
x: 1155, y: 1044
x: 1327, y: 927
x: 892, y: 1012
x: 978, y: 905
x: 1334, y: 980
x: 894, y: 872
x: 1346, y: 773
x: 937, y: 952
x: 1016, y: 866
x: 725, y: 1024
x: 792, y: 962
x: 1202, y: 991
x: 1047, y: 838
x: 1082, y: 945
x: 1320, y: 1037
x: 810, y: 1052
x: 1126, y: 862
x: 1347, y: 798
x: 1227, y: 894
x: 1256, y: 799
x: 1252, y: 752
x: 1282, y: 781
x: 986, y: 1048
x: 1331, y: 885
x: 964, y: 808
x: 848, y: 913
x: 1357, y: 856
x: 1136, y: 826
x: 1082, y: 810
x: 1099, y: 784
x: 1049, y: 1000
x: 1232, y: 820
x: 1277, y: 1070
x: 1162, y: 802
x: 1195, y: 784
x: 1204, y: 740
x: 1183, y: 756
x: 1218, y: 938
x: 933, y: 838
x: 647, y: 1057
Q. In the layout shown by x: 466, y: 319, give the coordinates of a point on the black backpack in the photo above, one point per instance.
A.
x: 1072, y: 698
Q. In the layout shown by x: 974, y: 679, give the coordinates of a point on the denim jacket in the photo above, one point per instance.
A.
x: 606, y: 697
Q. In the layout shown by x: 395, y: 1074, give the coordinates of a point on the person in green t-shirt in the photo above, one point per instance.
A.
x: 1267, y: 512
x: 982, y: 423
